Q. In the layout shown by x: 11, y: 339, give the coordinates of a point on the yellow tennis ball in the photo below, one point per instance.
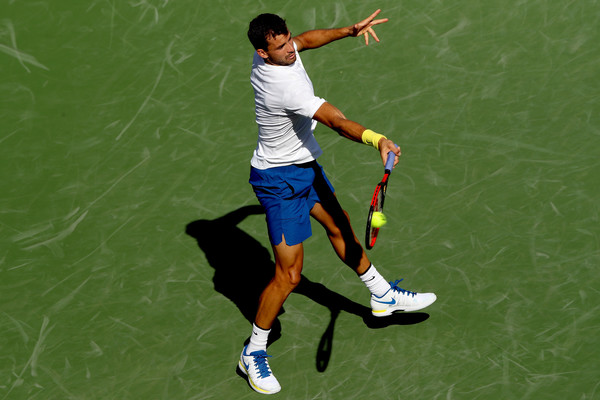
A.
x: 378, y: 219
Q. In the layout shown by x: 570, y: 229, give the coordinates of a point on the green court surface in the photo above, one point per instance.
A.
x: 132, y: 251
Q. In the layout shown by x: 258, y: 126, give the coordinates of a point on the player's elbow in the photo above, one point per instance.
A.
x: 330, y: 116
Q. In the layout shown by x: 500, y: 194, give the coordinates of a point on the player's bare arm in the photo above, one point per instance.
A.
x: 332, y: 117
x: 320, y: 37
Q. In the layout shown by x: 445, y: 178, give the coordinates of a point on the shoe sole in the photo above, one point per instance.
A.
x: 389, y: 311
x: 252, y: 385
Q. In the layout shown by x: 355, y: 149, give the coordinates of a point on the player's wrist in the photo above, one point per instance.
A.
x: 372, y: 138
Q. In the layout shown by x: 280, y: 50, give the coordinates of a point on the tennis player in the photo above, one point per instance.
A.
x: 290, y: 184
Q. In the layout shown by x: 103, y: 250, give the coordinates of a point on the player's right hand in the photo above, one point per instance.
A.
x: 387, y: 145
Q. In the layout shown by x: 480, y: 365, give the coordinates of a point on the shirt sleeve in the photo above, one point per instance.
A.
x: 301, y: 100
x: 299, y: 96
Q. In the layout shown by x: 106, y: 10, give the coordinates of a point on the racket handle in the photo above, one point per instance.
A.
x: 389, y: 164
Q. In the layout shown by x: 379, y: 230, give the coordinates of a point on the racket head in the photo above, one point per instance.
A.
x: 376, y: 205
x: 377, y: 201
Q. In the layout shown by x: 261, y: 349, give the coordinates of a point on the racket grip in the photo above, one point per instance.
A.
x: 389, y: 164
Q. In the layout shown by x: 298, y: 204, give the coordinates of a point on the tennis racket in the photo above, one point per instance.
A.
x: 378, y: 200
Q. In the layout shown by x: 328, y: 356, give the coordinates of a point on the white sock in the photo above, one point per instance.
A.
x: 375, y: 282
x: 258, y: 340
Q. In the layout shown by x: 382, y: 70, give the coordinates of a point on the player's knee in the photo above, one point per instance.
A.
x: 289, y: 278
x: 342, y: 226
x: 288, y: 283
x: 294, y: 277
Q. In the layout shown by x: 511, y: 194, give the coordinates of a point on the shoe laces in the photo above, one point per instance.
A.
x: 261, y: 364
x: 398, y: 289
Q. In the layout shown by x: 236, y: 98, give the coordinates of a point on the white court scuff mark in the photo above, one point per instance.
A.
x: 20, y: 266
x: 39, y: 346
x: 15, y: 52
x: 169, y: 57
x: 20, y: 329
x: 23, y: 58
x: 62, y: 303
x: 117, y: 182
x: 32, y: 232
x: 70, y: 229
x: 147, y: 7
x: 462, y: 24
x: 35, y: 354
x: 222, y: 84
x: 58, y: 284
x: 125, y: 324
x: 71, y: 214
x: 555, y: 209
x: 146, y: 100
x: 9, y: 135
x: 103, y: 242
x: 96, y: 350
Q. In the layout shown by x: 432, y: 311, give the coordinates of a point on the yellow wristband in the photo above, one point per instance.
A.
x: 372, y: 138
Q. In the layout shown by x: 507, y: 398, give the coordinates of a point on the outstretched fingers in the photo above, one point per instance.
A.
x: 371, y: 17
x: 379, y: 21
x: 371, y: 32
x: 365, y: 27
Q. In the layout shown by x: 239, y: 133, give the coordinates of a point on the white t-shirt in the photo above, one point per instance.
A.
x: 285, y: 104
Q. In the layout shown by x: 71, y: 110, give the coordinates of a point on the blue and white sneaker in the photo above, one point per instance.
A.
x: 260, y: 376
x: 398, y: 299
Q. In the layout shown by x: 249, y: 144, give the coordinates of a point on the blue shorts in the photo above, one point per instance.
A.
x: 288, y: 194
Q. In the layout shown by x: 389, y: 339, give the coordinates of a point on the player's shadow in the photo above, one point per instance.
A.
x: 243, y: 267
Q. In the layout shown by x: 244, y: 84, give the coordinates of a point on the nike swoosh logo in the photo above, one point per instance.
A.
x: 370, y: 279
x: 392, y: 302
x: 246, y: 365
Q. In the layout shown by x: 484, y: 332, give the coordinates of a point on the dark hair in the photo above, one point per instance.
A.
x: 264, y: 26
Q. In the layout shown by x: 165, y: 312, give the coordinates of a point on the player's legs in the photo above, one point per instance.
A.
x: 386, y: 297
x: 284, y: 194
x: 288, y: 267
x: 253, y: 360
x: 339, y: 231
x: 329, y: 213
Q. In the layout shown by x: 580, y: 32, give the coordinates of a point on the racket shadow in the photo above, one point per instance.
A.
x: 336, y: 303
x: 243, y: 267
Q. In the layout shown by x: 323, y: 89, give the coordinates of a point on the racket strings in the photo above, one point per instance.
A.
x: 379, y: 205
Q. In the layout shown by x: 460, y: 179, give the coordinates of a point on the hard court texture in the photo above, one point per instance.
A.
x: 133, y: 251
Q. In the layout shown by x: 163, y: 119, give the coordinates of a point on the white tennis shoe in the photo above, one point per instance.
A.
x: 398, y: 299
x: 260, y: 376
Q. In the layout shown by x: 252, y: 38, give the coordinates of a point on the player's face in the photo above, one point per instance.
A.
x: 280, y: 50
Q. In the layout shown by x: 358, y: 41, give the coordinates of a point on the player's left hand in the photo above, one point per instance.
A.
x: 365, y: 27
x: 387, y: 145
